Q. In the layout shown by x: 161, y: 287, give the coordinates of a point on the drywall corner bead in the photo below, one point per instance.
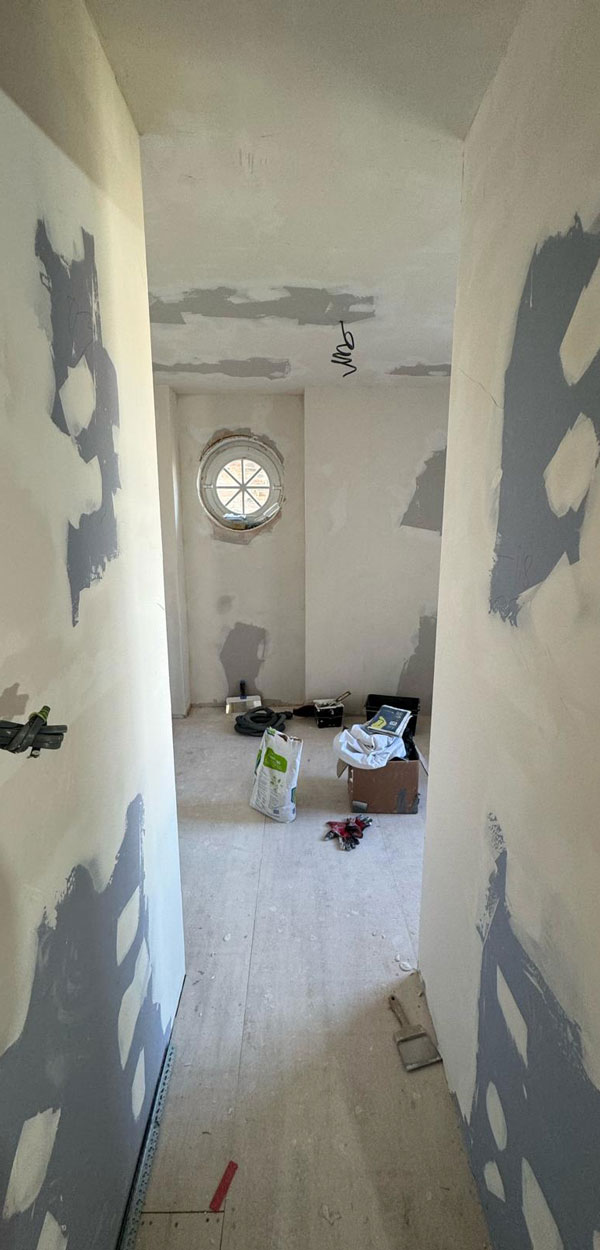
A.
x: 242, y: 656
x: 426, y: 507
x: 553, y: 377
x: 535, y: 1118
x: 63, y: 1088
x: 305, y: 305
x: 76, y: 336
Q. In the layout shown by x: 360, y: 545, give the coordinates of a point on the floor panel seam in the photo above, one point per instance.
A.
x: 243, y: 1033
x: 180, y: 1211
x: 390, y: 857
x: 262, y: 853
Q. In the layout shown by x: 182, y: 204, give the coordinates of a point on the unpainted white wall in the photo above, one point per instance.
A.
x: 167, y: 444
x: 90, y: 910
x: 512, y: 971
x: 245, y: 592
x: 374, y: 488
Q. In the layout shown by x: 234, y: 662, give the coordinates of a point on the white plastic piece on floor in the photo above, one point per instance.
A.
x: 368, y: 750
x: 328, y: 1214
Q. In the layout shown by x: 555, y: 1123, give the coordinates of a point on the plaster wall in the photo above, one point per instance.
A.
x: 245, y: 598
x: 171, y: 516
x: 90, y: 915
x: 374, y: 490
x: 512, y: 870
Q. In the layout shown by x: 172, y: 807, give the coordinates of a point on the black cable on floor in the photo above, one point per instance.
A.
x: 255, y: 722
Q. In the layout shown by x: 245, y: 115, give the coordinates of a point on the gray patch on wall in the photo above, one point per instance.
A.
x: 416, y: 677
x: 242, y: 655
x: 12, y: 703
x: 305, y: 305
x: 254, y: 367
x: 546, y: 1111
x: 540, y: 407
x: 421, y: 371
x: 68, y: 1060
x: 426, y: 507
x: 76, y: 336
x: 224, y: 603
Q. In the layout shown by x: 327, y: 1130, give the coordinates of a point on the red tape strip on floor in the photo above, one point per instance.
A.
x: 220, y: 1193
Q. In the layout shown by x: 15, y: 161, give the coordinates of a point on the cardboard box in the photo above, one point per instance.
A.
x: 393, y: 789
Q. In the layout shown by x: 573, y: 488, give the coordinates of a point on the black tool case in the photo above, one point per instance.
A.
x: 330, y: 717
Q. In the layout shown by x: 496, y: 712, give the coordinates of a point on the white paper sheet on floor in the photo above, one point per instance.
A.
x: 368, y: 750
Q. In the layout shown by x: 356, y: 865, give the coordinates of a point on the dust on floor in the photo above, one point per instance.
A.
x: 285, y: 1054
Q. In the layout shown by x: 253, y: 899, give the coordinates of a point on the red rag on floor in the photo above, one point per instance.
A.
x: 220, y: 1193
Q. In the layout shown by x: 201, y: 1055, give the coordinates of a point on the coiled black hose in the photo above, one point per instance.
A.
x: 36, y: 734
x: 255, y: 722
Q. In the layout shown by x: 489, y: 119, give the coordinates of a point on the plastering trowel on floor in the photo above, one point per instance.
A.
x: 415, y: 1047
x: 242, y: 702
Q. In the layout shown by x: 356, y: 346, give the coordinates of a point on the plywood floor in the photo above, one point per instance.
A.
x: 285, y: 1055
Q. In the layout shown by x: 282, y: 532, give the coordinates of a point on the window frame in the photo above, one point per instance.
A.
x: 216, y: 457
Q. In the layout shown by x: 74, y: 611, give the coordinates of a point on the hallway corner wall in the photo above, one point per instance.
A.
x: 512, y: 866
x: 375, y: 462
x: 171, y: 516
x: 90, y: 899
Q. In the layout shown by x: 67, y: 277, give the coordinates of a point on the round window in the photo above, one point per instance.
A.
x: 240, y: 483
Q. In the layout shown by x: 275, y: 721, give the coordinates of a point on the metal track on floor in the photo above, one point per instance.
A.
x: 141, y: 1180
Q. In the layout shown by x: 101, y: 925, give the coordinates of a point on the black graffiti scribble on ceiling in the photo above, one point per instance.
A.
x: 534, y: 1129
x: 540, y: 408
x: 77, y: 337
x: 77, y: 1058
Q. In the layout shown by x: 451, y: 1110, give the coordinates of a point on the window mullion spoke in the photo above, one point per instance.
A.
x: 234, y: 496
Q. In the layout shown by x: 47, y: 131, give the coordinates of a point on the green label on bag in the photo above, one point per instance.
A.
x: 275, y: 761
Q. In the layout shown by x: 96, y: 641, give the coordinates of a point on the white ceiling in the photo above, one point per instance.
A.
x: 302, y: 165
